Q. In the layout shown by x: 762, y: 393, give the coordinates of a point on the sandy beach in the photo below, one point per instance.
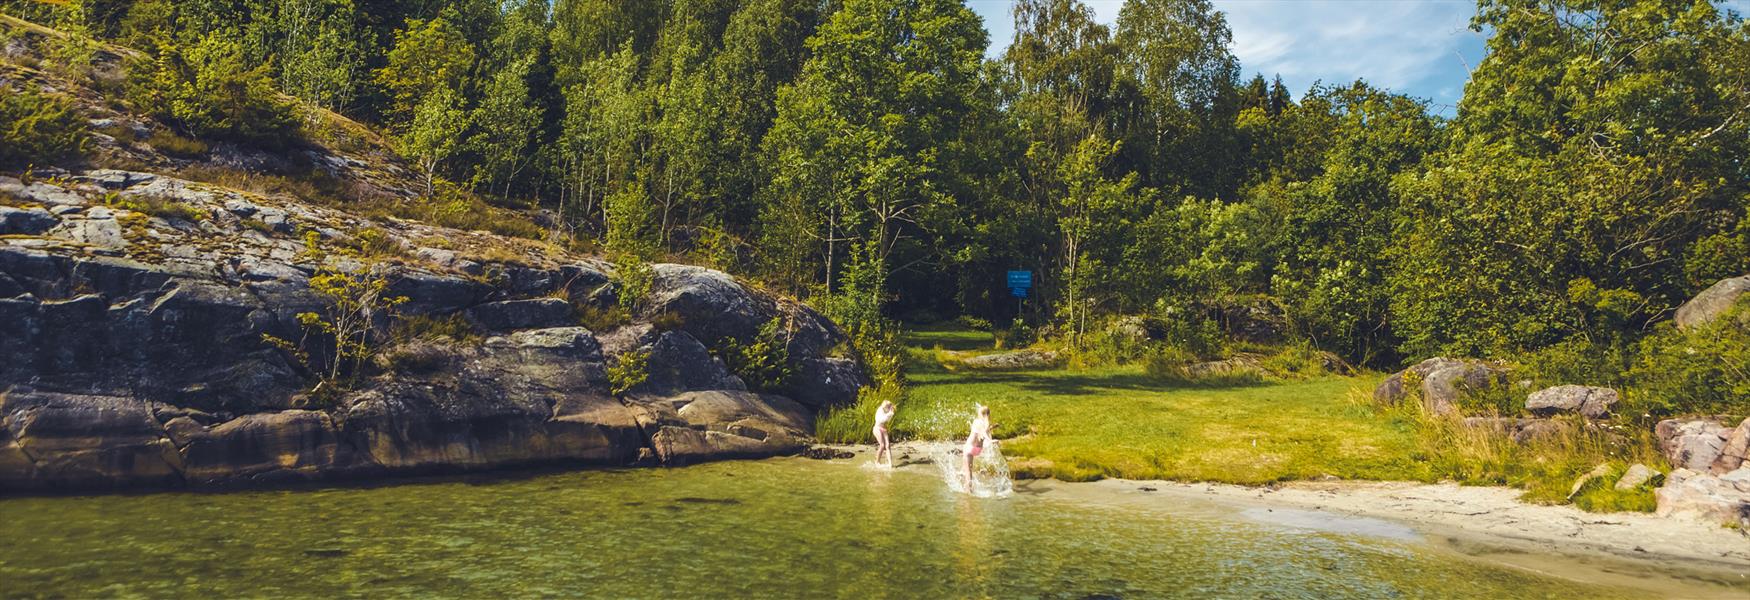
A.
x: 1673, y: 557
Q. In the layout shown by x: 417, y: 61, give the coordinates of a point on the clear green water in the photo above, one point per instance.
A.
x: 778, y: 528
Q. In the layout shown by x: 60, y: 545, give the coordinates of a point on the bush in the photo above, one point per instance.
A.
x: 37, y: 128
x: 1178, y: 366
x: 453, y: 329
x: 169, y: 143
x: 1016, y: 335
x: 208, y: 89
x: 157, y: 206
x: 628, y: 371
x: 1702, y: 371
x: 1546, y: 466
x: 632, y: 281
x: 764, y: 362
x: 596, y: 318
x: 1300, y: 360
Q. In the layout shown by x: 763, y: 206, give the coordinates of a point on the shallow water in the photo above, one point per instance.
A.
x: 776, y: 528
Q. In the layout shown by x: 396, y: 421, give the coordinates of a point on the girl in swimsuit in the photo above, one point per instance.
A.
x: 883, y: 447
x: 975, y: 442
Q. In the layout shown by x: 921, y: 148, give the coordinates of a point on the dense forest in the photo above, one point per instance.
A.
x: 867, y: 156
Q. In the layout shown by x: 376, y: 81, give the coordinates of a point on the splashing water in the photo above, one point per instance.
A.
x: 990, y: 471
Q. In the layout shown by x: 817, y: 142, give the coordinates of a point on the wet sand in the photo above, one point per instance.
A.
x: 1670, y: 557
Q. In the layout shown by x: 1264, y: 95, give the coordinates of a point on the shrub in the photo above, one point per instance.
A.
x: 37, y: 128
x: 632, y: 281
x: 598, y: 318
x: 764, y: 362
x: 628, y: 371
x: 668, y: 321
x: 453, y: 328
x: 169, y: 143
x: 854, y: 423
x: 1016, y: 335
x: 208, y: 89
x: 344, y: 332
x: 1545, y: 465
x: 157, y: 206
x: 971, y: 322
x: 1300, y: 360
x: 1178, y: 366
x: 1704, y: 370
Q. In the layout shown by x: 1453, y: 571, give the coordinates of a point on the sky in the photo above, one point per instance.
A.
x: 1423, y: 48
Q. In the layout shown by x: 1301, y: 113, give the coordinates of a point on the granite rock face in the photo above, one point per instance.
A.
x: 135, y: 354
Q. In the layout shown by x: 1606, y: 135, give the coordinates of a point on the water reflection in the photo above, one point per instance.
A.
x: 784, y: 528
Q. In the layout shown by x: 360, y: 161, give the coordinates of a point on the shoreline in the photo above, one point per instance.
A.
x: 1484, y: 523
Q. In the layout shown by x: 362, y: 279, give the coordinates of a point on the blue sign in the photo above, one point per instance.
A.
x: 1019, y: 283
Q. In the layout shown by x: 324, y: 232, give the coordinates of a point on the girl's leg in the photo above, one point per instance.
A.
x: 966, y: 479
x: 886, y: 448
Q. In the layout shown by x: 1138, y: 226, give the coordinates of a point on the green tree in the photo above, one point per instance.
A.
x: 876, y: 136
x: 1182, y: 81
x: 505, y: 125
x: 1334, y: 229
x: 429, y: 55
x: 321, y: 56
x: 208, y: 89
x: 1596, y: 149
x: 434, y: 133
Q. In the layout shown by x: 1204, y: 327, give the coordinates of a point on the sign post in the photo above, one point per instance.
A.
x: 1020, y: 282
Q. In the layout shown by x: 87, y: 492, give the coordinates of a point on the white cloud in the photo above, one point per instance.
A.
x: 1421, y: 48
x: 1424, y: 48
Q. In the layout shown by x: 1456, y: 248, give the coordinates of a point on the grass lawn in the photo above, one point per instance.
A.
x: 1117, y: 422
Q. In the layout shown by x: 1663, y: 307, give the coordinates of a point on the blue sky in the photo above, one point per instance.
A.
x: 1424, y: 48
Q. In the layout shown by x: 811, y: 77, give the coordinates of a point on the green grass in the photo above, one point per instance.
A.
x: 1117, y: 422
x: 1121, y: 421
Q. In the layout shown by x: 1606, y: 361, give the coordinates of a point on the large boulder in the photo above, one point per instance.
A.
x: 1723, y: 499
x: 1712, y: 303
x: 1691, y: 443
x: 1440, y: 382
x: 712, y: 306
x: 138, y: 350
x: 1591, y: 402
x: 1733, y: 454
x: 723, y: 424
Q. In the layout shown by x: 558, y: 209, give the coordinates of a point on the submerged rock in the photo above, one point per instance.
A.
x: 699, y: 425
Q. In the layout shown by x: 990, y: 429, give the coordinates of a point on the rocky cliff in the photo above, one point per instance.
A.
x: 133, y: 309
